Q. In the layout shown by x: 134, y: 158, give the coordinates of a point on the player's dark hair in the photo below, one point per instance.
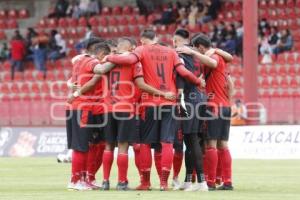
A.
x: 133, y: 42
x: 148, y: 33
x: 182, y: 33
x: 102, y: 47
x: 201, y: 39
x: 89, y: 43
x: 128, y: 39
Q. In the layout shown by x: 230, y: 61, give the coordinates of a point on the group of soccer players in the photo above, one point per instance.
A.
x: 149, y: 96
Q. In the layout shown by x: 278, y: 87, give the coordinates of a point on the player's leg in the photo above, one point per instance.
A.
x: 224, y: 153
x: 110, y: 132
x: 127, y: 133
x: 149, y: 134
x: 219, y: 167
x: 136, y: 150
x: 167, y: 135
x: 178, y: 158
x: 80, y: 145
x: 157, y: 159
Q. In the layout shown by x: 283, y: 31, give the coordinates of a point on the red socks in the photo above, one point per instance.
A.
x: 108, y: 157
x: 226, y: 164
x: 145, y: 163
x: 91, y: 162
x: 211, y: 157
x: 99, y: 157
x: 166, y: 162
x: 136, y: 149
x: 157, y: 162
x: 79, y: 160
x: 122, y: 162
x: 177, y: 162
x: 219, y: 169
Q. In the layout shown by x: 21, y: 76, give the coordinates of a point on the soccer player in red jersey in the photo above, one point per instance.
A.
x: 158, y: 124
x: 120, y: 107
x: 218, y: 89
x: 79, y: 117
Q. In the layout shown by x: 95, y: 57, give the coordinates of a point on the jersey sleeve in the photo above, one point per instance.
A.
x: 177, y: 60
x: 137, y: 71
x: 91, y: 65
x: 138, y: 52
x: 216, y: 58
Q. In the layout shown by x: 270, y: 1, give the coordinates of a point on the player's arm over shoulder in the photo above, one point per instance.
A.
x: 103, y: 68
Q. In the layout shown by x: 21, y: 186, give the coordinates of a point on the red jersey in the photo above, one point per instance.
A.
x: 216, y: 83
x: 83, y: 72
x: 18, y: 50
x: 122, y: 94
x: 158, y: 63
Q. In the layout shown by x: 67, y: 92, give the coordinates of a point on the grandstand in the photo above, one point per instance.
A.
x: 29, y: 100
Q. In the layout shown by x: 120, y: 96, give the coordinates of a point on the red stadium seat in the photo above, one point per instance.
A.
x: 19, y: 108
x: 103, y: 21
x: 284, y: 83
x: 141, y: 20
x: 4, y: 88
x: 136, y: 30
x: 290, y: 3
x: 294, y: 83
x: 28, y: 76
x: 272, y: 71
x: 45, y: 88
x: 15, y: 88
x: 263, y: 71
x: 274, y: 83
x: 2, y: 35
x: 5, y: 111
x: 61, y: 76
x: 42, y: 23
x: 73, y: 33
x: 13, y: 14
x: 117, y: 10
x: 127, y: 10
x: 93, y: 21
x: 63, y: 23
x: 3, y: 14
x: 73, y: 22
x: 112, y: 21
x: 64, y: 33
x: 123, y: 21
x: 52, y: 23
x: 35, y: 88
x: 82, y: 21
x: 292, y: 71
x: 126, y: 31
x: 106, y: 11
x: 263, y: 4
x: 25, y: 88
x: 265, y: 83
x: 282, y: 71
x: 23, y: 13
x: 238, y: 83
x: 3, y: 24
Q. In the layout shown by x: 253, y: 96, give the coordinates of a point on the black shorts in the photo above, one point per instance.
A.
x: 194, y: 123
x: 79, y: 131
x: 121, y: 127
x: 158, y: 125
x: 218, y: 128
x: 98, y: 129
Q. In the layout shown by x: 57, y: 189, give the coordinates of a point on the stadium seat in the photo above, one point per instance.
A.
x: 127, y: 10
x: 52, y: 23
x: 265, y: 83
x: 126, y: 31
x: 294, y: 84
x: 141, y: 20
x: 136, y: 31
x: 282, y: 71
x: 15, y: 89
x: 73, y: 22
x: 123, y: 21
x: 4, y: 88
x: 58, y: 112
x: 284, y: 83
x: 272, y: 71
x: 117, y: 10
x: 103, y: 21
x: 112, y: 21
x: 263, y: 71
x: 274, y: 83
x: 2, y: 35
x: 5, y: 111
x: 35, y: 88
x: 63, y: 23
x: 106, y: 11
x: 82, y: 21
x: 45, y: 88
x: 25, y: 89
x: 13, y: 14
x: 23, y: 14
x: 93, y: 21
x: 3, y: 14
x: 3, y: 24
x: 19, y: 108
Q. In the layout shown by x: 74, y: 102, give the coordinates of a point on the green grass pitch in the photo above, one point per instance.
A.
x: 43, y: 178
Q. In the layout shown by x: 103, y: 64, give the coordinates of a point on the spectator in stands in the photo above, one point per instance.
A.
x: 31, y: 33
x: 74, y: 10
x: 197, y: 11
x: 229, y: 44
x: 213, y: 7
x: 146, y: 7
x: 168, y: 16
x: 239, y: 113
x: 84, y: 6
x: 239, y: 38
x: 89, y: 33
x: 182, y: 17
x: 60, y: 9
x: 274, y: 36
x: 57, y: 46
x: 18, y: 51
x: 265, y: 50
x: 4, y: 52
x: 93, y: 7
x: 39, y: 49
x: 285, y: 43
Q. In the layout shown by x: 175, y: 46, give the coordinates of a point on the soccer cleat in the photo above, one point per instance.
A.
x: 164, y: 187
x: 225, y: 187
x: 183, y: 186
x: 122, y: 186
x: 93, y: 185
x: 212, y: 188
x: 78, y: 186
x: 175, y: 183
x: 218, y: 181
x: 202, y: 187
x: 105, y: 185
x: 146, y: 187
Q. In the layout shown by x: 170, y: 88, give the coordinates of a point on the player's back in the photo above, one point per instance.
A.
x: 158, y: 64
x: 120, y: 90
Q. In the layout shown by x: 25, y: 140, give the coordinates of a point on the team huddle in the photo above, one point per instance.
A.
x: 150, y: 97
